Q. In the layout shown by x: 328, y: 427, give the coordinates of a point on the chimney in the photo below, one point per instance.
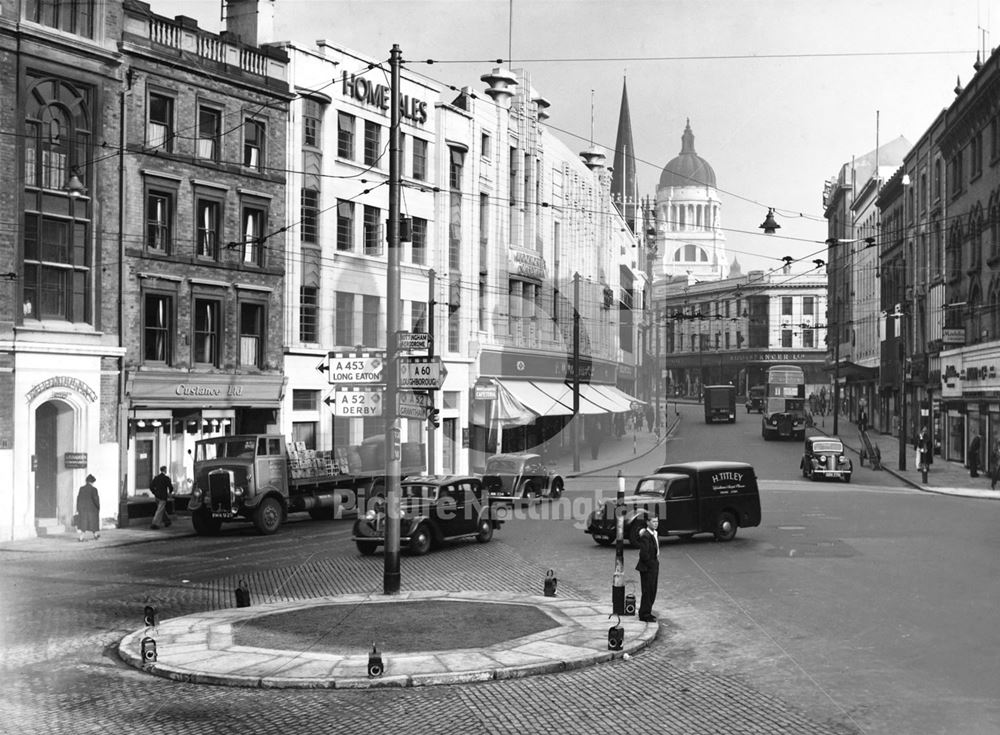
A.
x: 500, y: 83
x: 251, y: 21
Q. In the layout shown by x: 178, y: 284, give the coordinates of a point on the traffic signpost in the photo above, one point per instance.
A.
x: 412, y: 405
x: 425, y: 373
x: 356, y: 402
x: 410, y: 341
x: 354, y: 369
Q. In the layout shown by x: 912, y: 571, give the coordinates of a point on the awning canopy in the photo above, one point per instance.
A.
x: 619, y: 399
x: 564, y: 395
x: 622, y: 394
x: 531, y: 396
x: 508, y: 410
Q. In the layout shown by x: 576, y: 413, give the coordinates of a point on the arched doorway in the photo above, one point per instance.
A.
x: 53, y: 483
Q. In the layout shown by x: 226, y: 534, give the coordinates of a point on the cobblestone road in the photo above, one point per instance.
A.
x: 63, y: 613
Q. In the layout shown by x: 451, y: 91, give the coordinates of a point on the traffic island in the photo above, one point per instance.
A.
x: 455, y: 637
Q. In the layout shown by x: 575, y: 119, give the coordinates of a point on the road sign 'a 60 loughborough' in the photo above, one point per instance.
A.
x: 426, y: 373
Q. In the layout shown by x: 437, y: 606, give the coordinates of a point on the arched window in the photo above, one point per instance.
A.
x: 57, y: 227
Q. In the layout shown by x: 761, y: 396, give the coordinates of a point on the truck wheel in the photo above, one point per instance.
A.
x: 267, y: 517
x: 555, y: 492
x: 725, y: 527
x: 367, y: 548
x: 420, y: 542
x: 485, y: 530
x: 204, y: 524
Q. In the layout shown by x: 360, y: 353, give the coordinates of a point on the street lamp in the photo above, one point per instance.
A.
x: 769, y: 225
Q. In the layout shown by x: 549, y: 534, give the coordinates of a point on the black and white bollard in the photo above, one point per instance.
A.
x: 375, y: 665
x: 550, y: 583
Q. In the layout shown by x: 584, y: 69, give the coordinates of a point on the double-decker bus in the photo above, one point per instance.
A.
x: 784, y: 412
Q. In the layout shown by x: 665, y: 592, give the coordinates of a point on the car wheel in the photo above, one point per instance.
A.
x: 555, y: 492
x: 604, y: 540
x: 420, y: 542
x: 725, y: 527
x: 367, y: 548
x: 267, y: 517
x: 634, y: 530
x: 485, y: 530
x: 528, y: 490
x: 204, y: 524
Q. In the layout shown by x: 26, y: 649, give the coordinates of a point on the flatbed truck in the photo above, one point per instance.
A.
x: 258, y: 478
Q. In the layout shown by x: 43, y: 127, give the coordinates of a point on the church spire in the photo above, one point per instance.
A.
x: 624, y: 191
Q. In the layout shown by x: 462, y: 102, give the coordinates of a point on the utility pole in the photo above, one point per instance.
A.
x: 390, y: 576
x: 576, y: 372
x: 431, y: 433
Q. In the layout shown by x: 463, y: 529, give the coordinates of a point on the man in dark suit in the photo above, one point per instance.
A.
x: 648, y: 568
x: 162, y: 488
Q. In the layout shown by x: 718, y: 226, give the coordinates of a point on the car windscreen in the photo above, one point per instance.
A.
x: 828, y: 447
x: 418, y: 491
x: 224, y: 448
x: 496, y: 466
x: 651, y: 486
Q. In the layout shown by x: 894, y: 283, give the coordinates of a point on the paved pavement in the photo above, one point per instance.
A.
x: 944, y: 477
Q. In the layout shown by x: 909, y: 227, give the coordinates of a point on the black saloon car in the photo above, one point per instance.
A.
x: 824, y: 457
x: 521, y: 475
x: 433, y: 509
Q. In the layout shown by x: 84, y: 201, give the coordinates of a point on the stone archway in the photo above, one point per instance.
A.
x: 54, y: 424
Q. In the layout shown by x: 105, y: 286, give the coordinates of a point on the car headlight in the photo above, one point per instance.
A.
x: 371, y: 516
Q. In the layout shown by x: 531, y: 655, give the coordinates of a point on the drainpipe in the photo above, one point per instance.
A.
x: 123, y: 434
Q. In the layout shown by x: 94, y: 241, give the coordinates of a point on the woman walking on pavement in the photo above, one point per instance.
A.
x: 88, y: 510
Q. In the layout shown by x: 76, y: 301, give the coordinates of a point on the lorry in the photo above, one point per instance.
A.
x: 257, y: 477
x: 720, y: 403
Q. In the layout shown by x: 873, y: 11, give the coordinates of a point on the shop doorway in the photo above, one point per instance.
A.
x: 143, y: 463
x: 53, y: 433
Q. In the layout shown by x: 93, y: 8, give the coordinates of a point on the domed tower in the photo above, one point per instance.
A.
x: 689, y: 237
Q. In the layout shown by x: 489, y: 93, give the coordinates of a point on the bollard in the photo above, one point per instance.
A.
x: 616, y: 636
x: 148, y: 648
x: 149, y: 616
x: 375, y: 665
x: 242, y: 595
x: 923, y: 473
x: 550, y: 583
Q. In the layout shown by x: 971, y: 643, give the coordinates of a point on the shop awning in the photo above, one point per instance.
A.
x: 531, y: 396
x: 626, y: 396
x: 619, y: 399
x: 508, y: 410
x: 590, y: 393
x: 563, y: 393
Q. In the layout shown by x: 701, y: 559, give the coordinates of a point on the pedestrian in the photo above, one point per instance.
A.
x: 648, y: 568
x: 925, y: 451
x: 995, y: 464
x: 88, y: 510
x: 974, y: 456
x: 162, y: 489
x: 862, y: 420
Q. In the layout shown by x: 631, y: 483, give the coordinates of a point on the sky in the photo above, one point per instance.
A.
x: 779, y: 93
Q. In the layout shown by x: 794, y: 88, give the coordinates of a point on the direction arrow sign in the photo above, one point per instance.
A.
x: 413, y: 341
x: 410, y: 405
x: 356, y: 402
x: 427, y: 373
x: 356, y: 369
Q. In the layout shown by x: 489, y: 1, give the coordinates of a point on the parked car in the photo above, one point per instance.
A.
x: 824, y: 457
x: 433, y: 509
x: 688, y: 498
x: 521, y: 475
